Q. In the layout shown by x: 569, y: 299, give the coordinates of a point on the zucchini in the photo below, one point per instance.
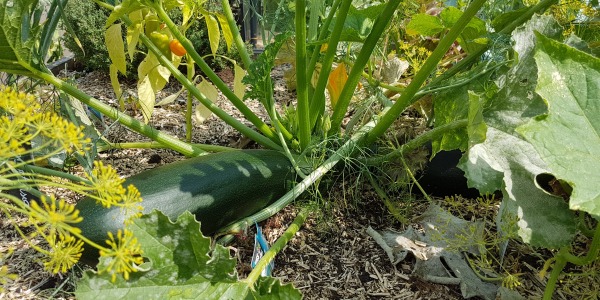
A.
x: 218, y: 189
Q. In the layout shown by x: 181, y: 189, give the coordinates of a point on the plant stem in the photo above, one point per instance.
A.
x: 154, y: 145
x: 406, y: 99
x: 50, y: 172
x: 417, y: 142
x: 135, y: 125
x: 564, y: 256
x: 317, y: 104
x: 277, y: 247
x: 386, y: 201
x: 304, y: 127
x: 237, y: 38
x: 237, y: 102
x: 189, y: 101
x: 559, y: 265
x: 362, y: 59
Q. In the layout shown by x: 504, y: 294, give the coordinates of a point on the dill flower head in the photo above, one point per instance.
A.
x: 130, y: 204
x: 64, y: 253
x: 22, y: 119
x: 107, y: 184
x: 60, y: 132
x: 123, y: 256
x: 55, y: 217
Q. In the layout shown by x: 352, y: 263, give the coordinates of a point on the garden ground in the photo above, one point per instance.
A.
x: 332, y: 257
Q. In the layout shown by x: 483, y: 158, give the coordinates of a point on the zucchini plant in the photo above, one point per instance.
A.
x: 481, y: 105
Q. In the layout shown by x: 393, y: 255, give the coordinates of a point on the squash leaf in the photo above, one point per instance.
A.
x: 568, y: 136
x: 424, y: 24
x: 18, y: 37
x: 181, y: 265
x: 505, y: 161
x: 508, y: 162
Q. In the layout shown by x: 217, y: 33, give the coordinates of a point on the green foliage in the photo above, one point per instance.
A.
x: 569, y: 80
x: 180, y: 263
x: 87, y: 20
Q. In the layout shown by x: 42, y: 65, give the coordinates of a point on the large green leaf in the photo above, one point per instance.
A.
x: 19, y: 34
x: 181, y: 265
x: 507, y: 162
x: 568, y: 136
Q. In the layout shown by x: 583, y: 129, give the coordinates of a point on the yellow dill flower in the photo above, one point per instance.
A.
x: 56, y: 216
x: 5, y: 275
x: 63, y: 254
x: 130, y: 204
x: 107, y: 184
x: 60, y: 132
x: 122, y: 257
x: 18, y: 104
x: 12, y: 135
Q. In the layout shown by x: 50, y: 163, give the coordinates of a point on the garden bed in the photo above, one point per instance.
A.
x: 332, y: 257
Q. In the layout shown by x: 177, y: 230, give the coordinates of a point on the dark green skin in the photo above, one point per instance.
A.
x: 218, y: 188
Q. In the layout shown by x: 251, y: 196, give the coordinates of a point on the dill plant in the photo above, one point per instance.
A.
x: 53, y: 220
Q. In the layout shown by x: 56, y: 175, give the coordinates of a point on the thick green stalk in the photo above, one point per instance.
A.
x: 56, y: 173
x: 406, y: 99
x: 281, y: 242
x: 212, y: 76
x: 417, y: 142
x: 302, y: 83
x: 154, y: 145
x: 237, y: 38
x: 133, y: 124
x: 361, y: 61
x: 189, y: 101
x: 317, y: 104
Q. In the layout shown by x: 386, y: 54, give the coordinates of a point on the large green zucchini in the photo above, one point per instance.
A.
x: 218, y: 189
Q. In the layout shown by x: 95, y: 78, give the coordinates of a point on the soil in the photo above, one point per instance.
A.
x: 331, y: 257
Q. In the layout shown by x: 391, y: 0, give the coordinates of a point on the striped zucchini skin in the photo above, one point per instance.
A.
x: 218, y: 189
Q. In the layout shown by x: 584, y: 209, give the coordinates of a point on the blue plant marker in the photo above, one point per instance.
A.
x: 260, y: 247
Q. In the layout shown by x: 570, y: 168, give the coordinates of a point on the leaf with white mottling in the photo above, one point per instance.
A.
x: 182, y: 265
x: 568, y: 136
